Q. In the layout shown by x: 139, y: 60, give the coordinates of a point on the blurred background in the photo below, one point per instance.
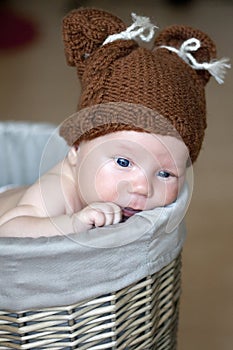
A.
x: 37, y: 85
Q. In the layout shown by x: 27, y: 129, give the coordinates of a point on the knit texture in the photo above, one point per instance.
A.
x: 123, y: 72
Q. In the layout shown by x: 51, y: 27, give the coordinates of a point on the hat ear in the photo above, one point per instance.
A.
x: 84, y: 31
x: 176, y: 35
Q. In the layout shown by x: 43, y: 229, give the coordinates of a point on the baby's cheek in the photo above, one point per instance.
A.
x: 106, y: 194
x: 105, y: 188
x: 173, y: 190
x: 171, y: 197
x: 171, y: 193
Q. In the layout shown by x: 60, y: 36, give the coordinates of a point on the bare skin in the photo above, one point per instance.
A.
x: 113, y: 176
x: 10, y: 199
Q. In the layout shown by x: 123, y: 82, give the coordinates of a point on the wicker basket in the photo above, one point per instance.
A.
x: 141, y: 316
x: 130, y: 299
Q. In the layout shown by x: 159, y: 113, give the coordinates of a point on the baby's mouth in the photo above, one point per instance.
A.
x: 128, y: 212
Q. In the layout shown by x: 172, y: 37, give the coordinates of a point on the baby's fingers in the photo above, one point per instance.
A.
x: 105, y: 214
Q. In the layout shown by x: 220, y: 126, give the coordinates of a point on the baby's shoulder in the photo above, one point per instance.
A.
x: 10, y: 198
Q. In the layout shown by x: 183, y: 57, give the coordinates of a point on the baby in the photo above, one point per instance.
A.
x: 98, y: 183
x: 140, y: 122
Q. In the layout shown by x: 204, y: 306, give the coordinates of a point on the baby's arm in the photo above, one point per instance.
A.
x: 40, y: 211
x: 44, y: 210
x: 30, y: 225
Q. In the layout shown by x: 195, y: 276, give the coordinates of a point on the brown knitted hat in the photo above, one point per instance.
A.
x: 128, y: 87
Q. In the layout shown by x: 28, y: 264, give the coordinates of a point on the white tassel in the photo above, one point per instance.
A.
x: 141, y: 28
x: 216, y: 68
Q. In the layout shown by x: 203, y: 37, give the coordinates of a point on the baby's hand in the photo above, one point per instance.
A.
x: 96, y: 214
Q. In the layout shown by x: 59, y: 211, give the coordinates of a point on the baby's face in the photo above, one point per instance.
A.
x: 138, y: 171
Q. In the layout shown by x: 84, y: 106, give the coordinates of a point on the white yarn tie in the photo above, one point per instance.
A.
x: 141, y: 28
x: 216, y: 68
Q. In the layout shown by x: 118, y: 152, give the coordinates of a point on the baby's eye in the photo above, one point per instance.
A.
x: 164, y: 174
x: 123, y: 162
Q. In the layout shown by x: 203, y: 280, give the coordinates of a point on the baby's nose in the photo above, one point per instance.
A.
x: 141, y: 184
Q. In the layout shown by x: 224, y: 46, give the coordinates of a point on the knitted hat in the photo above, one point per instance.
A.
x: 129, y: 87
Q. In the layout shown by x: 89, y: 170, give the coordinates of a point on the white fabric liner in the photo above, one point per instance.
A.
x: 62, y: 270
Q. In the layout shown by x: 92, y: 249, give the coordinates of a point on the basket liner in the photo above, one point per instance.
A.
x: 61, y: 270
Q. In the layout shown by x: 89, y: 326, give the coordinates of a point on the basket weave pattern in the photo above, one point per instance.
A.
x: 141, y: 316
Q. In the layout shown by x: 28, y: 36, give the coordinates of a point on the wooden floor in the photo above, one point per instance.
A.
x: 36, y: 84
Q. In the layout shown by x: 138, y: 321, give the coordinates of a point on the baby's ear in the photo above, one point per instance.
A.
x: 73, y: 155
x: 84, y: 31
x: 176, y: 35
